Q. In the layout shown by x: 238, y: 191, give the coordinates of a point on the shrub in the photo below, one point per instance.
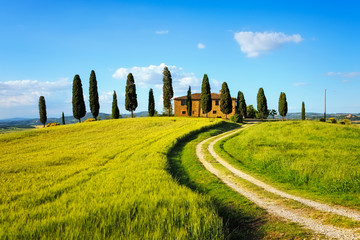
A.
x: 332, y: 120
x: 52, y: 124
x: 89, y: 120
x: 322, y: 119
x: 236, y: 118
x: 345, y: 122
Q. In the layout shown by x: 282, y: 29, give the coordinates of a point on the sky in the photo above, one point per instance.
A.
x: 297, y: 47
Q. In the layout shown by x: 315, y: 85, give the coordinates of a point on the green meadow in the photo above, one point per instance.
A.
x: 105, y: 179
x: 314, y: 158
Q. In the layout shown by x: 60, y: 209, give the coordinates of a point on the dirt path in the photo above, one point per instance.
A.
x: 271, y: 207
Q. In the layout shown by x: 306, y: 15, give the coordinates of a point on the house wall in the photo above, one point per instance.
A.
x: 197, y: 110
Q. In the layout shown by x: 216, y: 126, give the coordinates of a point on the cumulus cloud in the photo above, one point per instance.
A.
x: 201, y: 46
x: 343, y: 74
x: 27, y: 92
x: 161, y: 32
x: 298, y: 84
x: 255, y: 43
x: 151, y: 76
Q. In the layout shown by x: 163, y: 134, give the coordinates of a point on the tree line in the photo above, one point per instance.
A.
x: 243, y: 111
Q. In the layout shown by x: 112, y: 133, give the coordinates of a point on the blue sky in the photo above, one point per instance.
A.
x: 296, y: 47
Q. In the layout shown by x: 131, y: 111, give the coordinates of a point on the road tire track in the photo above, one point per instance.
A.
x: 267, y: 204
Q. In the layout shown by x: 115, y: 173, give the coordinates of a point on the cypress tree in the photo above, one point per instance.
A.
x: 78, y: 103
x: 189, y: 102
x: 283, y: 106
x: 206, y: 103
x: 130, y: 95
x: 115, y: 113
x: 303, y: 111
x: 250, y: 111
x: 225, y: 100
x: 63, y: 118
x: 42, y: 110
x: 151, y: 107
x: 93, y: 95
x: 241, y: 105
x: 262, y: 104
x: 168, y: 91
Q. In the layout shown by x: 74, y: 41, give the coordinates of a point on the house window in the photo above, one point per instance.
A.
x: 214, y: 112
x: 183, y: 112
x: 217, y: 102
x: 183, y: 102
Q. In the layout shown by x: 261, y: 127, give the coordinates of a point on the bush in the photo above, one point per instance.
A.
x: 236, y: 118
x: 345, y: 122
x: 332, y: 120
x: 52, y: 124
x: 322, y: 119
x: 89, y: 120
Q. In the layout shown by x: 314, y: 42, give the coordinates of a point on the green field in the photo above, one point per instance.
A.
x: 319, y: 159
x: 105, y: 179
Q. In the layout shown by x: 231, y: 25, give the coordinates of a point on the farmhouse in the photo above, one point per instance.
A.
x: 181, y: 106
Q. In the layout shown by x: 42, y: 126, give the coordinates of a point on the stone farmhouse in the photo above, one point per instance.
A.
x: 180, y: 106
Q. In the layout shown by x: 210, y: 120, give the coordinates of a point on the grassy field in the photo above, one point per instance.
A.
x: 99, y: 180
x: 320, y: 159
x: 242, y: 219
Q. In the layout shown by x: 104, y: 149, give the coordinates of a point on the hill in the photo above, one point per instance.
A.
x: 101, y: 180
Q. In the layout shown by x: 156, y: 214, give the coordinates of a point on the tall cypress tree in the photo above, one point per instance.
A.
x: 225, y: 100
x: 206, y: 103
x: 78, y: 102
x: 189, y: 102
x: 151, y: 107
x: 115, y: 113
x: 262, y: 104
x: 130, y: 95
x: 168, y: 91
x: 93, y: 95
x: 42, y: 110
x: 283, y: 106
x: 63, y: 118
x: 241, y: 104
x: 303, y: 111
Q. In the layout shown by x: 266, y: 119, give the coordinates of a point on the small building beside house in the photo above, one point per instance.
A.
x: 180, y: 106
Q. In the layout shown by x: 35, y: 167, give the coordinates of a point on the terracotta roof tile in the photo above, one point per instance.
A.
x: 197, y: 96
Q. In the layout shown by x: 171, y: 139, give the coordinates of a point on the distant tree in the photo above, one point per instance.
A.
x: 63, y: 118
x: 272, y: 113
x: 115, y: 113
x: 168, y: 91
x: 225, y: 100
x: 206, y: 102
x: 250, y: 111
x: 283, y: 106
x: 93, y: 95
x: 303, y: 111
x: 78, y: 102
x: 262, y: 104
x: 42, y: 110
x: 241, y: 104
x: 189, y: 102
x: 130, y: 95
x: 151, y: 107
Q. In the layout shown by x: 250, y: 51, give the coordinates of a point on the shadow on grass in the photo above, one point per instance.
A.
x: 239, y: 220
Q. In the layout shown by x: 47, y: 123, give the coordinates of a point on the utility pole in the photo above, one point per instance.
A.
x: 325, y: 106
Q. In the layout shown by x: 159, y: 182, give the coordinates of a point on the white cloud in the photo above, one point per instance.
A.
x: 27, y: 92
x: 343, y: 74
x: 255, y: 43
x: 161, y: 32
x: 297, y: 84
x: 201, y: 46
x: 151, y: 76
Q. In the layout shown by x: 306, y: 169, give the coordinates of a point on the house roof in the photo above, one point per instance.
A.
x: 197, y: 96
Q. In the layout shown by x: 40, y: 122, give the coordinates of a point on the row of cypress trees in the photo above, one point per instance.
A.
x: 131, y: 103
